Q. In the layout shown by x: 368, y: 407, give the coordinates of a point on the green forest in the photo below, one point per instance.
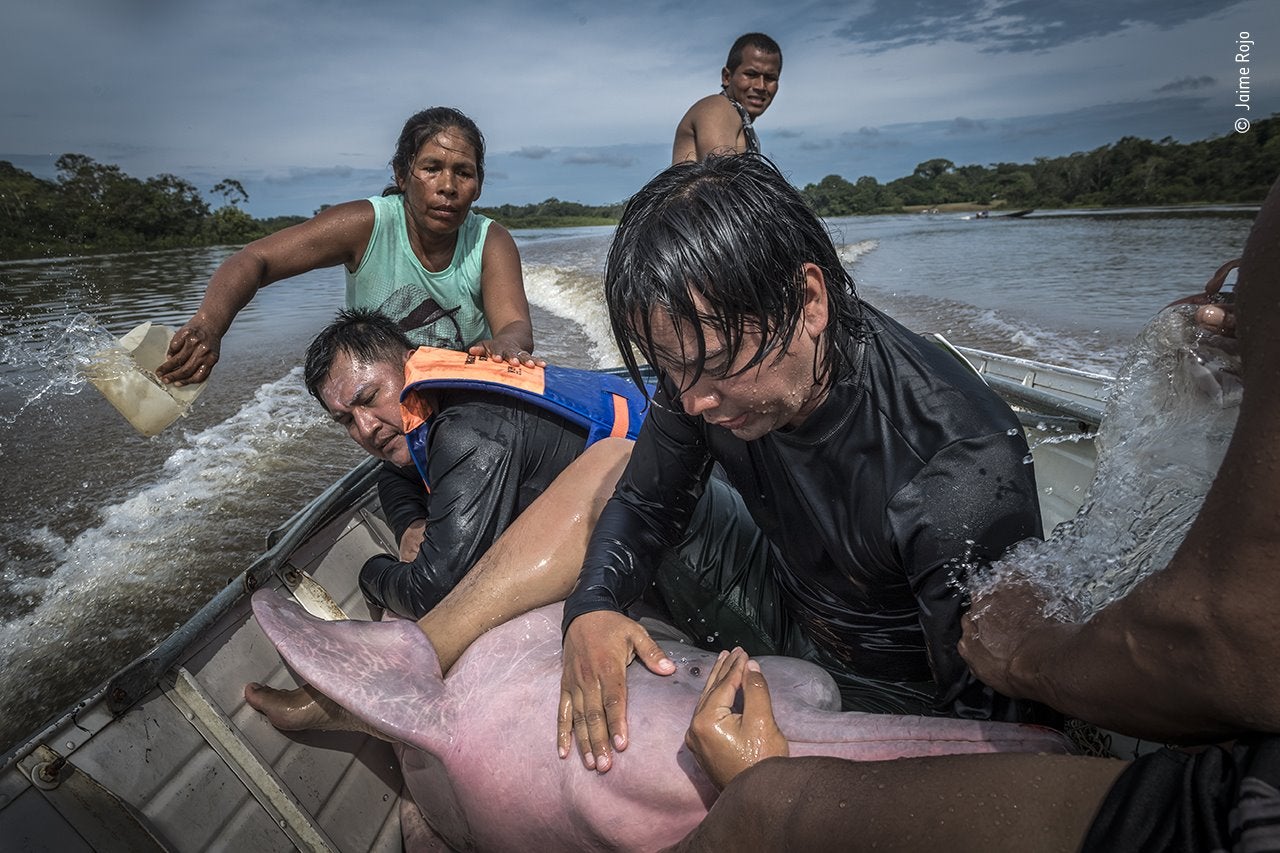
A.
x: 1131, y: 171
x: 96, y: 207
x: 553, y: 213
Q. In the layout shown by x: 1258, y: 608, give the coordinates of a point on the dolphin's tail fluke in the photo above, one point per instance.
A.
x: 385, y: 673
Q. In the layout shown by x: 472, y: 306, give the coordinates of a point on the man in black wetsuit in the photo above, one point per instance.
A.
x: 875, y: 465
x: 1187, y: 656
x: 724, y: 122
x: 491, y: 456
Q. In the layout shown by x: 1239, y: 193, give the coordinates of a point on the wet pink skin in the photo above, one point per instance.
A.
x: 490, y: 729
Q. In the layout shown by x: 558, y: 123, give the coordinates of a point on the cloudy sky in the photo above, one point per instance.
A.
x: 301, y: 100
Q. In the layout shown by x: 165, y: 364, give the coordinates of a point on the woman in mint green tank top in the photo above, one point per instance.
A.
x: 417, y: 253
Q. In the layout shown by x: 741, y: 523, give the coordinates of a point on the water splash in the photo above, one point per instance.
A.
x: 43, y: 361
x: 1164, y: 433
x: 849, y: 253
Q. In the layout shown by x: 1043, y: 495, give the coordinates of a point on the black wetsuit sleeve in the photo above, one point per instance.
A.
x: 648, y: 513
x: 486, y: 463
x: 402, y: 495
x: 965, y: 508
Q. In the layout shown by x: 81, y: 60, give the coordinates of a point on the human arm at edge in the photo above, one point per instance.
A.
x: 506, y: 306
x: 337, y: 235
x: 941, y: 530
x: 715, y: 127
x: 403, y: 499
x: 649, y: 511
x: 476, y: 487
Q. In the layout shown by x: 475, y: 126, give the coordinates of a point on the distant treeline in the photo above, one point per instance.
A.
x: 553, y: 213
x: 1132, y: 171
x: 95, y: 207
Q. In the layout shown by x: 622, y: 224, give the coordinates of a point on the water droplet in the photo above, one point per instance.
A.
x: 1013, y: 431
x: 1027, y: 460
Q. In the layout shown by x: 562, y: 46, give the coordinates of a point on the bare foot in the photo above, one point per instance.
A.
x: 302, y: 708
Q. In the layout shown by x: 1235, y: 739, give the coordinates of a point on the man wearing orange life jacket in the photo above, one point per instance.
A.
x: 486, y: 438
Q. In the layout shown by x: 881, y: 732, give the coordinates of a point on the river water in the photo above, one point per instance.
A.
x: 109, y: 540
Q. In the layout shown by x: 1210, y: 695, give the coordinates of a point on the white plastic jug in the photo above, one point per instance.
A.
x: 125, y: 374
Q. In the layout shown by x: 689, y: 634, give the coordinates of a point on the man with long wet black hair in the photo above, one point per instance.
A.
x: 875, y: 465
x: 1185, y: 657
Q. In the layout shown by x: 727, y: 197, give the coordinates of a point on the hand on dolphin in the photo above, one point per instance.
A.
x: 598, y: 647
x: 724, y: 741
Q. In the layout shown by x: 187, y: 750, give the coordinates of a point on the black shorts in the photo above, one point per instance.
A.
x: 1215, y: 800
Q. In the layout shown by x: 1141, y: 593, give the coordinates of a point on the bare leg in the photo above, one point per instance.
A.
x: 980, y: 803
x: 536, y: 560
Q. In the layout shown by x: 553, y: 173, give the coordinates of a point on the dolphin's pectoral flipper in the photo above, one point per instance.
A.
x: 385, y: 673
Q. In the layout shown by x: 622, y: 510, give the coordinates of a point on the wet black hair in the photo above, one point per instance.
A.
x: 735, y: 231
x: 425, y: 125
x: 364, y: 334
x: 759, y: 41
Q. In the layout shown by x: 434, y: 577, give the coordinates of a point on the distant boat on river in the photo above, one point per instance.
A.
x: 985, y: 214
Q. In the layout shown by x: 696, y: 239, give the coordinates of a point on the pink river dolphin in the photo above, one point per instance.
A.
x: 481, y: 760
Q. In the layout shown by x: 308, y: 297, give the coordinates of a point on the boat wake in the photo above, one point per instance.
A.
x: 849, y: 253
x: 576, y: 295
x: 157, y: 555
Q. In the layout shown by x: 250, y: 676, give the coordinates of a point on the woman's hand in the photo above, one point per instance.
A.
x: 508, y: 349
x: 193, y: 352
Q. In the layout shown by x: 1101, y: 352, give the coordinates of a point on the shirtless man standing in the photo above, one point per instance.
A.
x: 722, y: 122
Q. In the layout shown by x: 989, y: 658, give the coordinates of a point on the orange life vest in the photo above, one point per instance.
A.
x: 604, y: 404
